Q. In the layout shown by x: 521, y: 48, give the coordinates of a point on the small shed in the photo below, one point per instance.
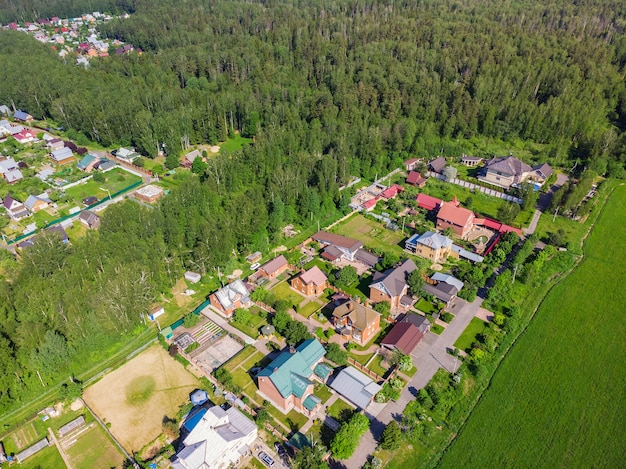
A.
x: 198, y: 397
x: 73, y: 425
x: 156, y: 312
x: 192, y: 277
x: 254, y: 257
x: 267, y: 330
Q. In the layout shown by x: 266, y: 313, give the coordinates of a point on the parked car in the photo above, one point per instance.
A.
x: 263, y: 456
x: 255, y: 266
x: 279, y: 449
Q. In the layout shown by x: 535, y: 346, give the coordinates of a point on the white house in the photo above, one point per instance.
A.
x: 219, y: 440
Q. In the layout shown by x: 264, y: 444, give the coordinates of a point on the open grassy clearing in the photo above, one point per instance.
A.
x: 46, y: 458
x: 475, y: 327
x: 557, y: 398
x: 284, y: 292
x: 117, y: 179
x: 93, y: 448
x: 310, y: 308
x: 372, y: 233
x: 234, y: 144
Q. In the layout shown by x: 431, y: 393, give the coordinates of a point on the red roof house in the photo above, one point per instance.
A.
x: 404, y: 336
x: 415, y: 179
x: 427, y: 202
x: 370, y: 204
x: 451, y: 215
x: 392, y: 191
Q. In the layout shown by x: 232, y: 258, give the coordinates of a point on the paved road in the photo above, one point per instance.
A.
x: 429, y: 355
x: 543, y: 202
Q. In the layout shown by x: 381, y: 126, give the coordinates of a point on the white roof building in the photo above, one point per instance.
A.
x: 217, y: 441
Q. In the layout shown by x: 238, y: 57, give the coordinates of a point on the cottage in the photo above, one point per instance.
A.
x: 128, y: 155
x: 55, y: 144
x: 88, y: 163
x: 345, y: 247
x: 310, y: 283
x: 437, y: 165
x: 90, y: 200
x: 12, y: 176
x: 273, y: 268
x: 287, y: 380
x: 430, y: 245
x: 25, y: 136
x: 542, y: 172
x: 355, y: 386
x: 15, y: 209
x: 22, y: 116
x: 230, y: 297
x: 62, y: 156
x: 392, y: 191
x: 5, y: 111
x: 444, y: 287
x: 192, y: 277
x: 428, y: 202
x: 190, y: 157
x: 155, y: 312
x: 35, y: 203
x: 416, y: 179
x: 411, y: 164
x: 150, y: 193
x: 355, y: 321
x: 392, y: 286
x: 471, y: 161
x: 505, y: 172
x: 404, y: 337
x: 452, y: 215
x: 89, y: 219
x: 219, y: 438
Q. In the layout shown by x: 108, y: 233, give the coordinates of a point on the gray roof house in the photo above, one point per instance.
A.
x: 446, y: 287
x: 355, y: 386
x: 230, y: 297
x: 22, y: 116
x: 505, y: 172
x: 437, y: 164
x: 15, y: 208
x: 392, y: 285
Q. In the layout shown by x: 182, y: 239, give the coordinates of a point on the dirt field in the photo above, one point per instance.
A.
x: 135, y: 425
x: 220, y: 352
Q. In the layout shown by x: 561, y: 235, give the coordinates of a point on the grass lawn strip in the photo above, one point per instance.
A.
x: 475, y: 327
x: 46, y: 458
x: 310, y: 308
x: 337, y: 408
x: 575, y: 422
x: 284, y: 292
x: 372, y: 233
x: 238, y: 359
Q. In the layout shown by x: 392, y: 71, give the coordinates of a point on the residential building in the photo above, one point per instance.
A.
x: 34, y: 203
x: 88, y: 163
x: 411, y: 164
x: 189, y: 158
x: 273, y: 268
x: 404, y: 337
x: 25, y: 136
x: 149, y: 193
x: 356, y: 387
x: 452, y: 215
x: 542, y: 172
x: 471, y: 161
x: 22, y: 116
x: 15, y: 209
x: 5, y: 111
x: 419, y: 321
x: 219, y: 439
x: 310, y: 283
x: 428, y: 202
x: 89, y: 219
x: 345, y: 247
x: 505, y: 172
x: 355, y: 321
x: 128, y: 155
x: 392, y: 286
x: 437, y: 165
x: 230, y: 297
x: 62, y: 156
x: 392, y: 191
x: 416, y: 179
x: 55, y: 144
x: 430, y: 245
x: 444, y: 287
x: 287, y: 380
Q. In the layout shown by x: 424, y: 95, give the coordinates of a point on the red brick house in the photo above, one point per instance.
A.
x: 452, y: 215
x: 310, y: 283
x: 356, y: 322
x: 392, y: 286
x: 273, y: 268
x: 230, y: 297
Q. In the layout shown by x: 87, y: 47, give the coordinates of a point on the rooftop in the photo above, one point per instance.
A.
x: 355, y: 386
x: 404, y: 336
x: 337, y: 240
x: 508, y: 165
x: 393, y: 281
x: 314, y: 276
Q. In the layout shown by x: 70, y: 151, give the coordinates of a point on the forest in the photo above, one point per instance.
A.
x: 327, y: 90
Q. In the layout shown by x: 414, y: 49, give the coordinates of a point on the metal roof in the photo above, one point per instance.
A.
x: 355, y: 386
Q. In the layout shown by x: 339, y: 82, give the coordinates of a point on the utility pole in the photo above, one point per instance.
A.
x: 555, y: 212
x: 514, y: 272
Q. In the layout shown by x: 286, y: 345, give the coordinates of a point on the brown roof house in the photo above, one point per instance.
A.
x: 230, y: 297
x: 411, y: 164
x: 505, y: 172
x: 452, y: 215
x: 437, y: 165
x: 403, y: 336
x: 288, y: 380
x: 273, y: 268
x: 355, y: 321
x: 444, y: 287
x: 416, y: 179
x: 310, y: 283
x: 337, y: 246
x: 391, y: 286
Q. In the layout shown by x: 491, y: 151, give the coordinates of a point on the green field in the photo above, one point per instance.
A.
x: 475, y: 327
x: 46, y: 458
x: 557, y: 399
x: 94, y: 447
x: 372, y: 233
x: 234, y: 144
x: 284, y: 292
x: 117, y: 179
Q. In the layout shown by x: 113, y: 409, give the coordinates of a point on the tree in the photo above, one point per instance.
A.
x: 191, y: 320
x: 310, y: 458
x: 347, y: 276
x: 404, y: 362
x: 242, y: 316
x: 198, y: 166
x: 99, y: 177
x: 281, y: 321
x: 392, y: 437
x: 172, y: 161
x: 507, y: 212
x: 347, y: 438
x: 384, y: 308
x: 450, y: 173
x: 262, y: 416
x: 416, y: 283
x: 296, y: 332
x: 336, y: 354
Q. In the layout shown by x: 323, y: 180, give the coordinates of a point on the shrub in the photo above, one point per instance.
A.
x: 447, y: 317
x: 336, y: 355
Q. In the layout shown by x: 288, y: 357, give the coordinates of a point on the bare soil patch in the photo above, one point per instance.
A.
x: 136, y: 422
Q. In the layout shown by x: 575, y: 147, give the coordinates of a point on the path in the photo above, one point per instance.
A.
x: 543, y: 203
x: 429, y: 355
x: 59, y: 448
x: 223, y: 323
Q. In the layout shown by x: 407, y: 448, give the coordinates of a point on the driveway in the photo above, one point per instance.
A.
x: 429, y: 355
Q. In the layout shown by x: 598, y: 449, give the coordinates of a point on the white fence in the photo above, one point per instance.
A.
x: 476, y: 187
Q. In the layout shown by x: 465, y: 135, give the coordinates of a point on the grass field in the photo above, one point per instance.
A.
x: 339, y: 409
x: 284, y: 292
x: 475, y: 327
x: 117, y: 179
x: 93, y: 448
x: 46, y: 458
x: 126, y: 400
x: 372, y: 233
x: 309, y: 308
x: 234, y: 144
x: 557, y: 399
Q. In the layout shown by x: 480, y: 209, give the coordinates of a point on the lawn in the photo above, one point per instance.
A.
x: 241, y: 357
x: 425, y: 306
x: 558, y: 396
x: 242, y: 379
x: 436, y: 329
x: 309, y: 309
x: 377, y: 365
x: 372, y: 233
x: 362, y: 359
x: 322, y: 391
x: 293, y: 420
x: 94, y: 447
x: 338, y: 410
x: 46, y: 458
x: 117, y: 179
x: 284, y: 292
x: 234, y: 144
x: 475, y: 327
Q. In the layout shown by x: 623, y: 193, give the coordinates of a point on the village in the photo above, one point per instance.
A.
x: 281, y: 352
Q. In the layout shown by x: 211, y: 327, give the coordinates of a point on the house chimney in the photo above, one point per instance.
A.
x: 275, y: 369
x: 292, y: 350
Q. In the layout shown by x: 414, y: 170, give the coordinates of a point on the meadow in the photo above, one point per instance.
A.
x: 557, y: 399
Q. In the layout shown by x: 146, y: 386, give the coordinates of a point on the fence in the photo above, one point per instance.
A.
x: 476, y: 187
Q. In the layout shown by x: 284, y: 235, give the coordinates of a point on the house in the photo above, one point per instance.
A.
x: 25, y: 136
x: 505, y: 172
x: 22, y: 116
x: 392, y: 286
x: 356, y: 321
x: 471, y: 161
x: 254, y: 257
x: 404, y: 337
x: 356, y: 387
x: 428, y: 202
x: 90, y: 200
x: 9, y: 169
x: 419, y: 321
x: 192, y: 277
x: 273, y: 268
x: 287, y: 380
x: 156, y: 312
x: 437, y: 165
x: 89, y: 219
x: 444, y: 287
x: 430, y: 245
x: 128, y: 155
x: 55, y: 144
x: 230, y: 297
x: 219, y: 439
x: 16, y: 209
x: 13, y: 176
x: 189, y: 158
x: 369, y: 205
x: 392, y: 191
x: 60, y: 231
x: 62, y: 156
x: 416, y: 179
x: 88, y: 163
x: 542, y: 172
x: 149, y: 193
x: 105, y: 164
x: 5, y: 111
x: 310, y: 283
x: 343, y: 247
x: 34, y: 203
x: 452, y: 215
x: 411, y: 164
x: 7, y: 165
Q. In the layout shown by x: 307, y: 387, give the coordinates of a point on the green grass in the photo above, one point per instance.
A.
x: 377, y: 365
x: 426, y: 306
x: 372, y: 233
x: 241, y: 357
x: 557, y: 398
x: 242, y: 379
x: 322, y: 391
x: 309, y: 309
x: 292, y: 420
x: 362, y: 359
x: 475, y: 327
x: 46, y: 458
x: 284, y: 292
x: 248, y: 329
x: 92, y: 188
x: 255, y: 464
x: 94, y: 446
x: 140, y: 389
x: 436, y: 329
x: 234, y: 144
x: 336, y: 410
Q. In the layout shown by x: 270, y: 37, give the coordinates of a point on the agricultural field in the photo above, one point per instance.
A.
x: 558, y: 397
x: 92, y: 447
x: 372, y: 233
x: 136, y: 397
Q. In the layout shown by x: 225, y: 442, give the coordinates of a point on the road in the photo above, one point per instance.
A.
x: 543, y: 202
x: 429, y: 355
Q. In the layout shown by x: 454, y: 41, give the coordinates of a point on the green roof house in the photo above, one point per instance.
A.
x: 288, y: 380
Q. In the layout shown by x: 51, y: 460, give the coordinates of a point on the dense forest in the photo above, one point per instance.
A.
x: 328, y: 90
